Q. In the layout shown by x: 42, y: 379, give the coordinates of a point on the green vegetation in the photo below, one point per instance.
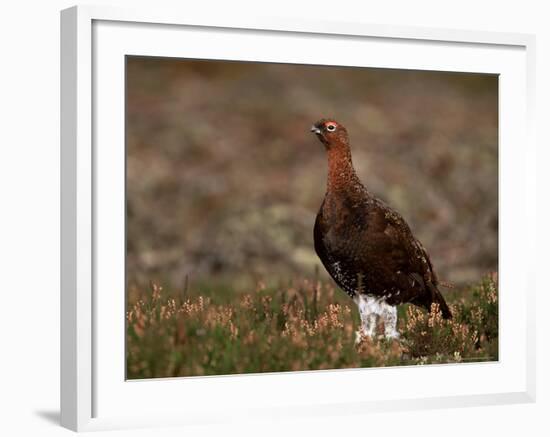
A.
x: 304, y: 326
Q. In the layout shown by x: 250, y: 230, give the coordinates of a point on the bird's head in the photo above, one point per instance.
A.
x: 330, y: 133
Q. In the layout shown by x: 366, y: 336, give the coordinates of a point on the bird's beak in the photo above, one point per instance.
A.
x: 315, y: 130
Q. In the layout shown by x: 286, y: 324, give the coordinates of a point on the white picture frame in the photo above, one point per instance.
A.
x: 94, y: 394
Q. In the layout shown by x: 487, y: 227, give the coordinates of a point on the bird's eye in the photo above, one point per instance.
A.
x: 331, y: 128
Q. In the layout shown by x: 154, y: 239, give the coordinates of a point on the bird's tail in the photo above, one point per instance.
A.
x: 437, y: 298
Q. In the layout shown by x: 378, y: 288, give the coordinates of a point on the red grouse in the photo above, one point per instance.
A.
x: 366, y: 246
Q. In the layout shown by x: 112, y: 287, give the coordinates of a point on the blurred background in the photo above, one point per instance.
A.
x: 224, y: 179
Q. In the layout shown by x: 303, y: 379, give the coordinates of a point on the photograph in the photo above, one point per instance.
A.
x: 295, y: 217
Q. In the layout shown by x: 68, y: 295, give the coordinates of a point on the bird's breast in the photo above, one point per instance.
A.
x: 344, y: 224
x: 342, y: 214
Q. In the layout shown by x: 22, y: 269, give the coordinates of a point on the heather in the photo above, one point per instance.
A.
x: 307, y: 325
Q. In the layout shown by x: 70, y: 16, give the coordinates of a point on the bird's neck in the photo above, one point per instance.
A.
x: 341, y: 174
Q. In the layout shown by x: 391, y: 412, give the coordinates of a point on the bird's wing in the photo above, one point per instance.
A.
x: 397, y: 260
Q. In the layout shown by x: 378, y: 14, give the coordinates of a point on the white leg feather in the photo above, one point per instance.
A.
x: 370, y: 308
x: 389, y: 315
x: 369, y: 317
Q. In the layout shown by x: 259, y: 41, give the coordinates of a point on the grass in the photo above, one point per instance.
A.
x: 307, y: 325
